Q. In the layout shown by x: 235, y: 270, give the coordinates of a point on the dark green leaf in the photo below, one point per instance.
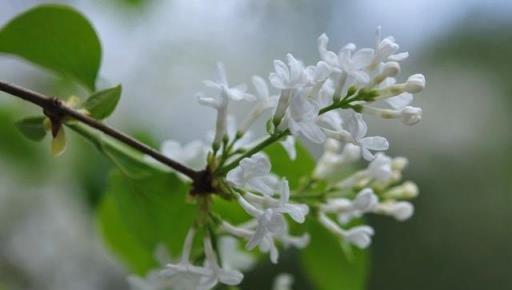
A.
x: 154, y: 211
x: 102, y: 103
x: 293, y: 170
x: 55, y: 37
x: 328, y: 265
x: 32, y: 128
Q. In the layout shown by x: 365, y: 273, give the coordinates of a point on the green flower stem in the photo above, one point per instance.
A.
x: 257, y: 148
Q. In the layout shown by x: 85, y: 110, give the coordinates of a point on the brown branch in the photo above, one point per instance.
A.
x: 55, y: 107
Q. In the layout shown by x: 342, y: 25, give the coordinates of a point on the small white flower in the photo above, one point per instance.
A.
x: 288, y: 77
x: 318, y: 74
x: 401, y: 210
x: 359, y: 236
x: 386, y: 48
x: 219, y: 101
x: 364, y: 202
x: 302, y: 120
x: 289, y: 146
x: 265, y: 102
x: 232, y: 257
x: 332, y: 161
x: 220, y: 84
x: 253, y: 174
x: 410, y: 115
x: 217, y: 274
x: 283, y: 282
x: 358, y: 129
x: 380, y: 167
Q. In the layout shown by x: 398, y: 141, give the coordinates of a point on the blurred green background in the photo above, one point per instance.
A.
x: 160, y: 50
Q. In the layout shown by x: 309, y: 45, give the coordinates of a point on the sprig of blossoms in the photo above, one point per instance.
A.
x: 324, y: 103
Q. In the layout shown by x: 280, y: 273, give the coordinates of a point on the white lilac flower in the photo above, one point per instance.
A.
x: 400, y: 210
x: 331, y: 161
x: 221, y: 86
x: 253, y: 174
x: 232, y: 257
x: 410, y: 115
x: 385, y: 49
x: 346, y: 210
x: 297, y: 212
x: 270, y: 221
x: 219, y: 100
x: 265, y: 101
x: 283, y: 282
x: 217, y: 274
x: 289, y: 146
x: 267, y: 244
x: 184, y: 275
x: 380, y: 167
x: 349, y: 64
x: 359, y: 236
x: 302, y: 119
x: 288, y: 79
x: 358, y: 129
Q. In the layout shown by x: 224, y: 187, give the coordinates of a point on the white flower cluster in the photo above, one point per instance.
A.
x: 322, y: 103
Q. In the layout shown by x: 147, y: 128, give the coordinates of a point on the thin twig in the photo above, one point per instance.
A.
x: 55, y: 107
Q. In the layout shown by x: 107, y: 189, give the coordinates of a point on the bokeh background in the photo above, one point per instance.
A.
x: 160, y: 50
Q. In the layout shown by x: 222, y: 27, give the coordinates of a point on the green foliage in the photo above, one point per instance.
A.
x: 101, y: 104
x: 32, y: 128
x: 294, y: 170
x: 121, y: 239
x: 328, y: 265
x: 55, y: 37
x: 150, y: 211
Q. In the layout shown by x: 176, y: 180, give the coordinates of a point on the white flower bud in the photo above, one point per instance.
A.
x: 399, y: 163
x: 351, y: 152
x: 401, y: 210
x: 415, y: 84
x: 380, y: 167
x: 332, y: 145
x: 365, y: 200
x: 407, y: 190
x: 390, y: 69
x: 360, y: 236
x: 410, y: 115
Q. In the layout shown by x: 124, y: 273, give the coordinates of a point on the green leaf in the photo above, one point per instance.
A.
x: 57, y: 38
x: 153, y: 210
x: 294, y: 170
x: 120, y: 239
x: 328, y: 265
x: 32, y: 128
x: 101, y: 104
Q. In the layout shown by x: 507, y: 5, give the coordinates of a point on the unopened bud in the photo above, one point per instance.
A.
x: 410, y: 115
x: 415, y: 83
